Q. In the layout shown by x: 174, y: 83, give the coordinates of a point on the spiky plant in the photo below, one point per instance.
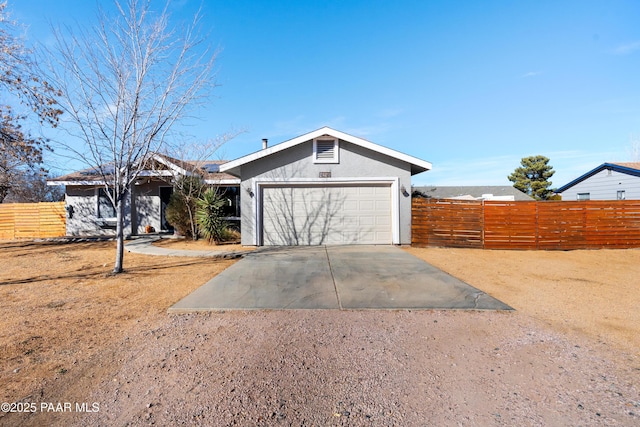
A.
x: 209, y: 216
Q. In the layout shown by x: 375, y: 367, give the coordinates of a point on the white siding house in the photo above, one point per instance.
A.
x: 609, y: 181
x: 91, y: 213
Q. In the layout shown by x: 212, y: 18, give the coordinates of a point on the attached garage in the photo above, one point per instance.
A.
x: 325, y: 188
x: 327, y: 214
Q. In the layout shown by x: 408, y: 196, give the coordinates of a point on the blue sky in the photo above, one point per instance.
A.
x: 471, y: 86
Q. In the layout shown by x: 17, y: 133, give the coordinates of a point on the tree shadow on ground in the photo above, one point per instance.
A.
x: 84, y: 273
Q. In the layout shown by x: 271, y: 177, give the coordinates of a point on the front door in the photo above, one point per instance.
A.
x: 165, y: 197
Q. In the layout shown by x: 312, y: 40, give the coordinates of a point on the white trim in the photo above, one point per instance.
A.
x: 226, y: 181
x: 148, y: 173
x: 227, y: 167
x: 230, y: 181
x: 259, y: 183
x: 257, y: 210
x: 170, y: 165
x: 77, y: 183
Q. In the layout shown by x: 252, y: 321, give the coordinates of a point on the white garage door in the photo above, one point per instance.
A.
x: 327, y: 215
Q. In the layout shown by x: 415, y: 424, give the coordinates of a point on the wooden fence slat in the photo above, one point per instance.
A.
x: 526, y: 225
x: 32, y: 220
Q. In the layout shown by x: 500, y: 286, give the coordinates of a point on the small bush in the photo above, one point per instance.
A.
x: 183, y: 204
x: 178, y: 216
x: 209, y: 216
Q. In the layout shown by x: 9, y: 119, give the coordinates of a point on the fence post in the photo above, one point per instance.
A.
x: 483, y: 223
x: 537, y: 227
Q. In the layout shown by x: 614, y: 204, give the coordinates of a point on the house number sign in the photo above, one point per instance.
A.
x: 325, y: 174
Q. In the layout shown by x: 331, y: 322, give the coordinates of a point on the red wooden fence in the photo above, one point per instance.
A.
x: 526, y: 225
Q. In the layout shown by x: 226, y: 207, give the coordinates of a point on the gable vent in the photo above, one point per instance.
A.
x: 325, y: 150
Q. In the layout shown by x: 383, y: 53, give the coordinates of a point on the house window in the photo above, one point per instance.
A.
x: 231, y: 196
x: 105, y: 207
x: 326, y: 150
x: 584, y: 196
x: 621, y: 195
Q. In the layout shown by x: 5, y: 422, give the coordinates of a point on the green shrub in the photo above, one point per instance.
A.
x: 209, y: 216
x: 178, y: 215
x: 182, y: 206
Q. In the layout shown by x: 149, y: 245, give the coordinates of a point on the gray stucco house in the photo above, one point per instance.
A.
x: 325, y: 187
x: 90, y: 212
x: 609, y: 181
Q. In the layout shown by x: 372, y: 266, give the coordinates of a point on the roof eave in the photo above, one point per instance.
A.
x: 224, y: 181
x: 417, y: 165
x: 600, y: 168
x: 78, y: 183
x: 416, y: 169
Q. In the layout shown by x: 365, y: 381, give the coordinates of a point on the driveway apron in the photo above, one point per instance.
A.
x: 334, y: 277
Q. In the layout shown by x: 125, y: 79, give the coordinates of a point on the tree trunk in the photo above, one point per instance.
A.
x: 118, y: 267
x: 192, y: 221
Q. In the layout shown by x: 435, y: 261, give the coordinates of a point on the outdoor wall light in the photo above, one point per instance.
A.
x: 249, y: 191
x: 403, y: 190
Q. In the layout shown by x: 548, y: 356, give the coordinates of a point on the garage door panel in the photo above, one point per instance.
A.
x: 383, y: 220
x: 366, y: 205
x: 312, y: 215
x: 351, y: 191
x: 350, y: 205
x: 381, y: 205
x: 367, y: 221
x: 367, y: 236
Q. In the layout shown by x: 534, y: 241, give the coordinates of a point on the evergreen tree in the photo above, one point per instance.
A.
x: 532, y: 177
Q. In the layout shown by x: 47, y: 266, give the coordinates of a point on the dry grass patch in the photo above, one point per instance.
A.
x: 61, y: 306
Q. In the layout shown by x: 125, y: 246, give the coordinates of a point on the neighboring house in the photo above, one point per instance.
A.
x: 325, y: 187
x: 609, y: 181
x: 89, y: 211
x: 476, y: 192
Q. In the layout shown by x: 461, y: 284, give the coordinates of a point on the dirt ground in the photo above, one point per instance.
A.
x: 79, y: 346
x: 591, y: 292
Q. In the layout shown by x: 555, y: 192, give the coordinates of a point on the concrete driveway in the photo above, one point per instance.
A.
x: 334, y: 277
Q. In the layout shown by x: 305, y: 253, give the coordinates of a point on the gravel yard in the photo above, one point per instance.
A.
x: 72, y: 333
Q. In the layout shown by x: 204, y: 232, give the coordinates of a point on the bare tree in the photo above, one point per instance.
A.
x: 31, y: 187
x: 125, y: 83
x: 20, y: 153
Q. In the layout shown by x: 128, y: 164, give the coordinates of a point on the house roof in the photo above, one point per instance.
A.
x: 629, y: 168
x: 165, y: 167
x: 233, y: 167
x: 472, y: 192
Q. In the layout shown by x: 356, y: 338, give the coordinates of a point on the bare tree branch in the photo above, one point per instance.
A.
x: 125, y: 83
x: 21, y: 154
